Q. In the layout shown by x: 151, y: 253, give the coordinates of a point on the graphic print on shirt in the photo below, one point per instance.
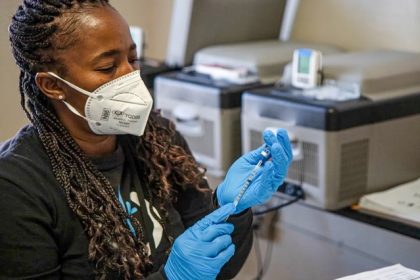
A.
x: 130, y: 211
x: 131, y: 207
x: 157, y: 227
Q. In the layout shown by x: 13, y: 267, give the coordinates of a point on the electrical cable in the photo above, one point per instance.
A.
x: 295, y: 191
x: 258, y: 256
x: 281, y: 205
x: 290, y: 190
x: 262, y: 266
x: 269, y: 249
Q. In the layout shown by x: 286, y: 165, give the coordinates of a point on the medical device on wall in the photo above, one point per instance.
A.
x: 306, y: 68
x: 352, y: 147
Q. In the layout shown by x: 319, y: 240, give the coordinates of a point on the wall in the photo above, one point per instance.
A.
x: 360, y: 24
x: 154, y: 16
x: 11, y: 115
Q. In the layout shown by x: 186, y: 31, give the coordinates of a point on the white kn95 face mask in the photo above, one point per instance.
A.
x: 121, y: 106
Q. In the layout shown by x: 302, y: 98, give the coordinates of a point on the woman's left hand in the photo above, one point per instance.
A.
x: 267, y: 179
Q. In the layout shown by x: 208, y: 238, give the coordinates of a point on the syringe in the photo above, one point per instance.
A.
x: 265, y: 156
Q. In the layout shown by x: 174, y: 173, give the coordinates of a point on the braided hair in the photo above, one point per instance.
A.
x: 38, y: 30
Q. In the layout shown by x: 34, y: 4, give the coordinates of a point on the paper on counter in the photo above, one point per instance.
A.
x: 394, y: 272
x: 400, y: 202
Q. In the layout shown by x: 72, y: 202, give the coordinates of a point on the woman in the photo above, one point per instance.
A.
x: 82, y: 195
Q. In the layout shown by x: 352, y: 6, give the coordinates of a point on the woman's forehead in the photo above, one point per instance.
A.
x: 100, y: 30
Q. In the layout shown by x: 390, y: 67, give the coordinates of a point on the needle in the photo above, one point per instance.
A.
x: 265, y: 156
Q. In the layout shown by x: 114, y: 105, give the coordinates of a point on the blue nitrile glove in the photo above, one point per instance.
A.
x: 268, y: 178
x: 202, y: 250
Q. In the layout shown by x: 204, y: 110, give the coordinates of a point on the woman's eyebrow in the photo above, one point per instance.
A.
x: 110, y: 53
x: 105, y: 54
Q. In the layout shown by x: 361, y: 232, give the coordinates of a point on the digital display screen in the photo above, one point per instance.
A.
x: 304, y: 64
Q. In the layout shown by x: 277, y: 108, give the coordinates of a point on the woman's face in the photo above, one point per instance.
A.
x: 104, y: 50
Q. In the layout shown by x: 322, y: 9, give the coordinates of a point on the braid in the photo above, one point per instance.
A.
x: 35, y: 33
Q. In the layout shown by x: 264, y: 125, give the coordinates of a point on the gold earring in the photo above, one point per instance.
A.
x: 61, y: 97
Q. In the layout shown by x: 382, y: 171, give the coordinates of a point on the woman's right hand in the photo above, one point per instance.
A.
x: 202, y: 250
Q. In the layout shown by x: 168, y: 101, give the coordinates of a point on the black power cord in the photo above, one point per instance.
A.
x: 292, y: 194
x: 262, y: 267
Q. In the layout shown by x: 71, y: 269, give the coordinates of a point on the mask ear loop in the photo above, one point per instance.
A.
x: 85, y: 92
x: 69, y: 106
x: 74, y: 111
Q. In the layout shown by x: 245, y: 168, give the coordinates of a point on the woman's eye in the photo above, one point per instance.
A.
x: 106, y: 69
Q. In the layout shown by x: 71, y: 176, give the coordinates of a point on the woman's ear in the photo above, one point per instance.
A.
x: 50, y: 86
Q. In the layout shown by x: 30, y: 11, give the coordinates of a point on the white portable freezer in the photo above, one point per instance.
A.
x: 352, y: 147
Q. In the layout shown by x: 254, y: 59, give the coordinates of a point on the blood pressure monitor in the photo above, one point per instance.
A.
x: 306, y: 68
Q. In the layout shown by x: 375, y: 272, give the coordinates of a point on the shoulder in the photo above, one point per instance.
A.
x: 24, y: 162
x: 24, y: 149
x: 24, y: 142
x: 34, y: 211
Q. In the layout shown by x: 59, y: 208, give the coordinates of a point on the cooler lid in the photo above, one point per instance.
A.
x: 379, y: 73
x: 265, y: 58
x: 289, y: 105
x: 200, y: 89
